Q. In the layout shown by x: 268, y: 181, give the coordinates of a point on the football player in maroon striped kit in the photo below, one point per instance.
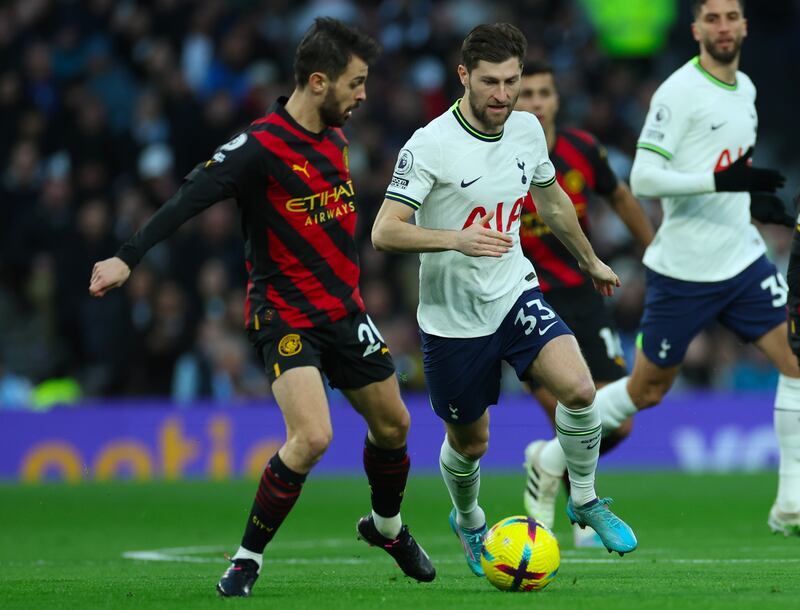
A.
x: 289, y: 174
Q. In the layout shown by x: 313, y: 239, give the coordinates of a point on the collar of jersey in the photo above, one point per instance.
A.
x: 475, y: 133
x: 712, y: 78
x: 279, y: 107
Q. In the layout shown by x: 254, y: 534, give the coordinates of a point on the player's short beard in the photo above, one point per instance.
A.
x: 330, y: 112
x: 724, y: 57
x: 482, y: 114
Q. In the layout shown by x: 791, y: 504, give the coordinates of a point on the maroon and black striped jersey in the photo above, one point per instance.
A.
x: 581, y: 166
x: 298, y: 209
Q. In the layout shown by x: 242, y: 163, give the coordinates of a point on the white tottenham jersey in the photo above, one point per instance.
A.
x: 452, y: 174
x: 699, y: 123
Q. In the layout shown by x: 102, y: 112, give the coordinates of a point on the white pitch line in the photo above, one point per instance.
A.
x: 178, y: 554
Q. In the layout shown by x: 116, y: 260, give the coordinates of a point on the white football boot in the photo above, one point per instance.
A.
x: 541, y: 488
x: 787, y: 524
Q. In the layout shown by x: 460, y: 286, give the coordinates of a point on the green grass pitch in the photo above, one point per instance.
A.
x: 703, y: 544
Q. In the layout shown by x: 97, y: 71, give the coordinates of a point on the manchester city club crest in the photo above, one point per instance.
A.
x: 290, y: 345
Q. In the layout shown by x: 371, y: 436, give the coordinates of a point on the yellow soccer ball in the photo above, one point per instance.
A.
x: 520, y: 554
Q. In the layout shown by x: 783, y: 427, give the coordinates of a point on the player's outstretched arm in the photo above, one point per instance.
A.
x: 632, y: 214
x: 107, y: 275
x: 198, y: 193
x: 557, y: 211
x: 392, y: 232
x: 651, y: 176
x: 222, y: 177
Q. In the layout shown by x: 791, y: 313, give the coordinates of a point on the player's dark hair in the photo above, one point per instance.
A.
x: 494, y: 43
x: 698, y: 4
x: 538, y: 66
x: 327, y: 47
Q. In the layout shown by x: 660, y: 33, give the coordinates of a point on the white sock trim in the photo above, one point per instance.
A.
x: 455, y: 463
x: 243, y: 553
x: 387, y: 526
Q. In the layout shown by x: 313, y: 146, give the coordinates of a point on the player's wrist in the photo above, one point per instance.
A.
x: 729, y: 180
x: 591, y: 264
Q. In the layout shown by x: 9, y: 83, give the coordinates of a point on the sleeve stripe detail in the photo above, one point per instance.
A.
x: 403, y: 199
x: 544, y: 184
x: 656, y: 149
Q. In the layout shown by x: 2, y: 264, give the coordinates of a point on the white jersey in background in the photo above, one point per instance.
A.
x: 452, y: 174
x: 699, y: 123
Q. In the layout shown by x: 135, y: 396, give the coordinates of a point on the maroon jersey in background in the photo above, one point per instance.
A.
x: 581, y: 166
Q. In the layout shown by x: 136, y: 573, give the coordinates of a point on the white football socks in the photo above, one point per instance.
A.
x: 243, y: 553
x: 787, y: 429
x: 462, y: 477
x: 387, y: 526
x: 552, y: 458
x: 578, y: 432
x: 614, y: 405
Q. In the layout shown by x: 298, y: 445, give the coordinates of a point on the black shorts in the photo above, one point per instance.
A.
x: 585, y: 312
x: 350, y: 352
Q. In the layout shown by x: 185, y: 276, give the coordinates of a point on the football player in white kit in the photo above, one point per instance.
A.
x: 465, y: 176
x: 707, y: 261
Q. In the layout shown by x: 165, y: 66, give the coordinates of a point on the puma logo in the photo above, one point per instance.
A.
x: 301, y: 169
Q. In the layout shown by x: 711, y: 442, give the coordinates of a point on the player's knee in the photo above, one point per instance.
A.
x: 475, y: 450
x: 312, y: 445
x: 579, y: 395
x: 472, y: 448
x: 392, y: 432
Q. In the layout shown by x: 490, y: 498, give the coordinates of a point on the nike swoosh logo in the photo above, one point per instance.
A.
x: 715, y: 127
x: 465, y: 184
x: 546, y: 328
x: 593, y: 445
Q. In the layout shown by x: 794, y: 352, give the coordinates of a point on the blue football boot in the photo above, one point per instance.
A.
x: 472, y: 541
x: 613, y: 531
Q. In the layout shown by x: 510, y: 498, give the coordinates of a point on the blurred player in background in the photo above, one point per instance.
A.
x: 707, y: 261
x: 789, y: 469
x: 290, y: 176
x: 581, y: 169
x: 466, y: 176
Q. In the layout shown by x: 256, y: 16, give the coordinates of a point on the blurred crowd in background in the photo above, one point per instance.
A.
x: 106, y: 104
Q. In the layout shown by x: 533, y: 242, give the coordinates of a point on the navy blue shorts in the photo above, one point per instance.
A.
x: 463, y: 375
x: 750, y: 304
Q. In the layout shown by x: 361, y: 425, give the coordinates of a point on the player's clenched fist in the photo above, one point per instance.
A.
x: 603, y: 277
x: 108, y: 274
x: 479, y: 240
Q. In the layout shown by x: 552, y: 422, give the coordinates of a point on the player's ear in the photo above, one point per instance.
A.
x: 317, y: 82
x: 463, y: 75
x: 695, y: 33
